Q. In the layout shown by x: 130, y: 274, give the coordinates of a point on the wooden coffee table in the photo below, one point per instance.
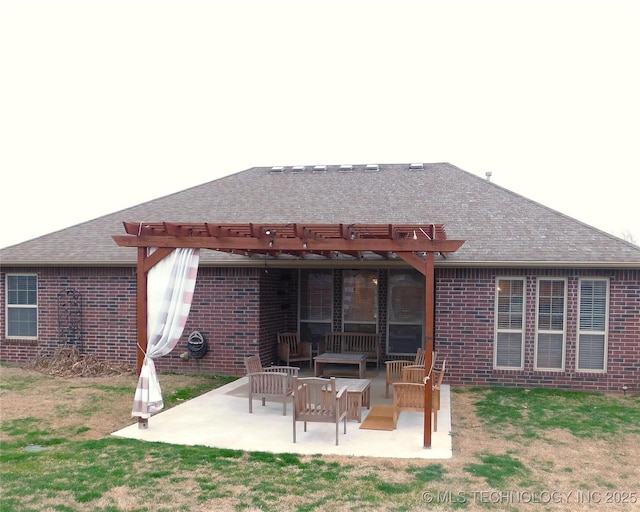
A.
x: 331, y: 358
x: 358, y: 394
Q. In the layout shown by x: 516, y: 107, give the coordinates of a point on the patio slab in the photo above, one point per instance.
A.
x: 221, y: 419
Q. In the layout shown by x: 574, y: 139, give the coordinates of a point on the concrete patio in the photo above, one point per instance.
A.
x: 221, y: 419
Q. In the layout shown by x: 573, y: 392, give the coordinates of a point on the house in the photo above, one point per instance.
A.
x: 532, y: 297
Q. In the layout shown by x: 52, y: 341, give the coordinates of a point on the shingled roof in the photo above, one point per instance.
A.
x: 500, y: 227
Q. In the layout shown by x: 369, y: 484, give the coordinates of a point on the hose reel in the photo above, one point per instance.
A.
x: 197, y: 345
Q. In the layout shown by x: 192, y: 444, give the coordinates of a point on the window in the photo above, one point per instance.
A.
x: 22, y: 306
x: 316, y: 299
x: 509, y: 326
x: 551, y: 324
x: 360, y: 301
x: 405, y: 312
x: 593, y: 325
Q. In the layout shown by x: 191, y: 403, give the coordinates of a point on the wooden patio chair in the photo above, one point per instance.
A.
x: 273, y: 383
x: 291, y: 349
x: 409, y: 395
x: 394, y: 368
x: 317, y: 400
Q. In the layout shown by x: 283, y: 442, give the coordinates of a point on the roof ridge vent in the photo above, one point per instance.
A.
x: 298, y: 168
x: 277, y: 169
x: 320, y: 168
x: 372, y: 167
x: 345, y: 168
x: 416, y: 167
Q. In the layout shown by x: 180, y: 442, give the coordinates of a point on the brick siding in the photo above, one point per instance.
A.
x: 240, y: 310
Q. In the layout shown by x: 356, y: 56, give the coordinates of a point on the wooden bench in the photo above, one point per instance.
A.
x: 353, y: 343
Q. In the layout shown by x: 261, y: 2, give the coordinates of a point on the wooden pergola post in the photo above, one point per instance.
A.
x: 429, y: 316
x: 145, y: 264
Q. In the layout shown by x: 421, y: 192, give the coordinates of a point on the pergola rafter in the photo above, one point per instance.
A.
x: 416, y: 244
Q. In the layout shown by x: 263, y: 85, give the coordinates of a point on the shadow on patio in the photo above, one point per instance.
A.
x: 221, y: 419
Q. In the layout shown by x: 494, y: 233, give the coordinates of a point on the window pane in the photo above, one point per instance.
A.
x: 406, y: 297
x: 314, y: 332
x: 404, y: 339
x: 591, y: 356
x: 360, y: 296
x: 316, y: 294
x: 593, y: 305
x: 22, y: 322
x: 22, y: 290
x: 550, y: 351
x: 510, y: 304
x: 509, y: 350
x: 551, y: 305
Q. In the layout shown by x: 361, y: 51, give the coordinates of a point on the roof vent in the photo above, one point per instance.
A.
x: 372, y: 167
x: 346, y: 168
x: 297, y: 168
x: 416, y: 167
x: 277, y: 169
x: 320, y: 168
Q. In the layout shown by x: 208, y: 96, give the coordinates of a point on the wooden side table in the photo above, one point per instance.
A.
x: 358, y: 395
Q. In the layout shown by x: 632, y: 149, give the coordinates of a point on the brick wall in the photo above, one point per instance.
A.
x: 108, y: 313
x: 239, y: 311
x: 465, y: 329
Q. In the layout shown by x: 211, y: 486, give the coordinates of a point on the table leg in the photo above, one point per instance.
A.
x: 318, y: 368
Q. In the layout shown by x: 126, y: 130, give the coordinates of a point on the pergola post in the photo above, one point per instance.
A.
x: 141, y: 300
x: 428, y: 360
x: 145, y: 264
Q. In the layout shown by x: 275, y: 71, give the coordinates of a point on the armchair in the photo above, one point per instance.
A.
x: 273, y: 383
x: 291, y: 349
x: 318, y: 400
x: 394, y: 369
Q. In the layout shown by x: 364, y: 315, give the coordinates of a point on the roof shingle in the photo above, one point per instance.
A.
x: 500, y: 227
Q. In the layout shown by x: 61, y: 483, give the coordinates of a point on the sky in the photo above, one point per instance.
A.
x: 106, y: 104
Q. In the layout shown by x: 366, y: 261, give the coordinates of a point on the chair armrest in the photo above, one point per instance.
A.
x: 398, y: 361
x: 305, y: 348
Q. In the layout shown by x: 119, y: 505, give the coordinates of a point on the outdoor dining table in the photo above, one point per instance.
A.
x: 333, y: 358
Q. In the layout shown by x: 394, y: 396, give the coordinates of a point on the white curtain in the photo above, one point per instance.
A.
x: 170, y: 286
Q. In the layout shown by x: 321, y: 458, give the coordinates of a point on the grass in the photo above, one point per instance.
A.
x: 108, y: 474
x: 534, y: 411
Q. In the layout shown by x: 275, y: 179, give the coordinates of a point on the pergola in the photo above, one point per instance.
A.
x: 416, y: 244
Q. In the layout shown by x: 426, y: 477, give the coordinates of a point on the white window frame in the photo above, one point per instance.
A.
x: 9, y: 307
x: 540, y: 331
x: 604, y: 333
x: 498, y: 330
